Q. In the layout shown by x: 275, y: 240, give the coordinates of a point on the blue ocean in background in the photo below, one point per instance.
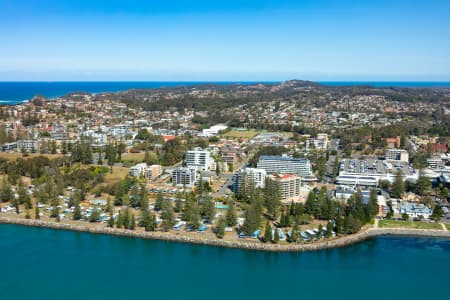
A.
x: 16, y: 92
x: 50, y: 264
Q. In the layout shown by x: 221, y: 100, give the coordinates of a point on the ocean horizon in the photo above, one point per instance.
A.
x: 13, y: 92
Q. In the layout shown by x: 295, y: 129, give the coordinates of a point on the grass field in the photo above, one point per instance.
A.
x: 241, y: 134
x: 16, y: 155
x: 408, y: 224
x: 118, y: 174
x: 251, y: 133
x: 136, y: 157
x: 448, y: 226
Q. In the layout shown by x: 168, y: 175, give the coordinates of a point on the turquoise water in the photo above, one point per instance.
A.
x: 15, y: 92
x: 50, y: 264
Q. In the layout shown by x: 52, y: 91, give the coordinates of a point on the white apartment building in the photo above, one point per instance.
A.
x: 28, y: 145
x: 97, y: 138
x: 184, y: 176
x: 397, y: 154
x: 199, y: 159
x: 319, y: 143
x: 288, y: 186
x: 149, y: 172
x: 285, y: 165
x: 253, y: 176
x: 213, y: 130
x: 153, y: 172
x: 138, y: 170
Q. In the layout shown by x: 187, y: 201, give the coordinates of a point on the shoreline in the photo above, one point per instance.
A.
x: 342, y: 241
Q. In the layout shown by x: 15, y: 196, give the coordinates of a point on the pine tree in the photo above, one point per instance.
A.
x: 108, y: 208
x: 23, y: 196
x: 111, y: 221
x: 267, y: 232
x: 209, y: 210
x: 132, y: 225
x: 178, y: 205
x: 6, y: 193
x: 282, y: 219
x: 294, y: 234
x: 252, y: 217
x: 329, y: 229
x: 230, y: 216
x: 55, y: 212
x: 398, y: 188
x: 195, y: 219
x: 77, y: 212
x: 276, y: 236
x: 159, y: 201
x: 36, y: 212
x: 167, y: 216
x: 310, y: 203
x: 15, y: 202
x: 287, y: 220
x: 150, y: 222
x: 119, y: 222
x: 126, y: 219
x: 220, y: 228
x: 372, y: 205
x: 320, y: 230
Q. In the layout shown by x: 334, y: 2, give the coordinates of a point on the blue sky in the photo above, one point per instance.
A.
x: 225, y: 40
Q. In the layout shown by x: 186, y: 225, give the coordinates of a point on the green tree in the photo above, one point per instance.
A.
x: 398, y: 188
x: 149, y: 222
x: 252, y: 217
x: 111, y: 220
x: 132, y: 225
x: 372, y: 205
x: 276, y: 236
x: 422, y: 186
x: 6, y: 193
x: 178, y: 204
x: 77, y: 212
x: 55, y: 212
x: 159, y: 201
x: 231, y: 216
x: 437, y: 213
x: 267, y: 232
x: 23, y: 196
x: 36, y: 212
x: 95, y: 215
x: 294, y: 234
x: 15, y: 203
x: 329, y: 229
x: 119, y: 221
x: 220, y: 228
x: 209, y: 210
x: 167, y: 216
x: 271, y: 197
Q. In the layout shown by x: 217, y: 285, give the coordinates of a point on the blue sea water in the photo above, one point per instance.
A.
x: 49, y: 264
x: 16, y: 92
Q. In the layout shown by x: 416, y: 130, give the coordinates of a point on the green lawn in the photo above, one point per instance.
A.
x: 241, y: 133
x: 448, y: 226
x: 252, y: 133
x: 408, y: 224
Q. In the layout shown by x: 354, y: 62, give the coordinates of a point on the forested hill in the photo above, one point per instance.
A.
x: 222, y: 96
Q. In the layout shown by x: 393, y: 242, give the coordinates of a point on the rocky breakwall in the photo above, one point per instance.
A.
x: 340, y: 241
